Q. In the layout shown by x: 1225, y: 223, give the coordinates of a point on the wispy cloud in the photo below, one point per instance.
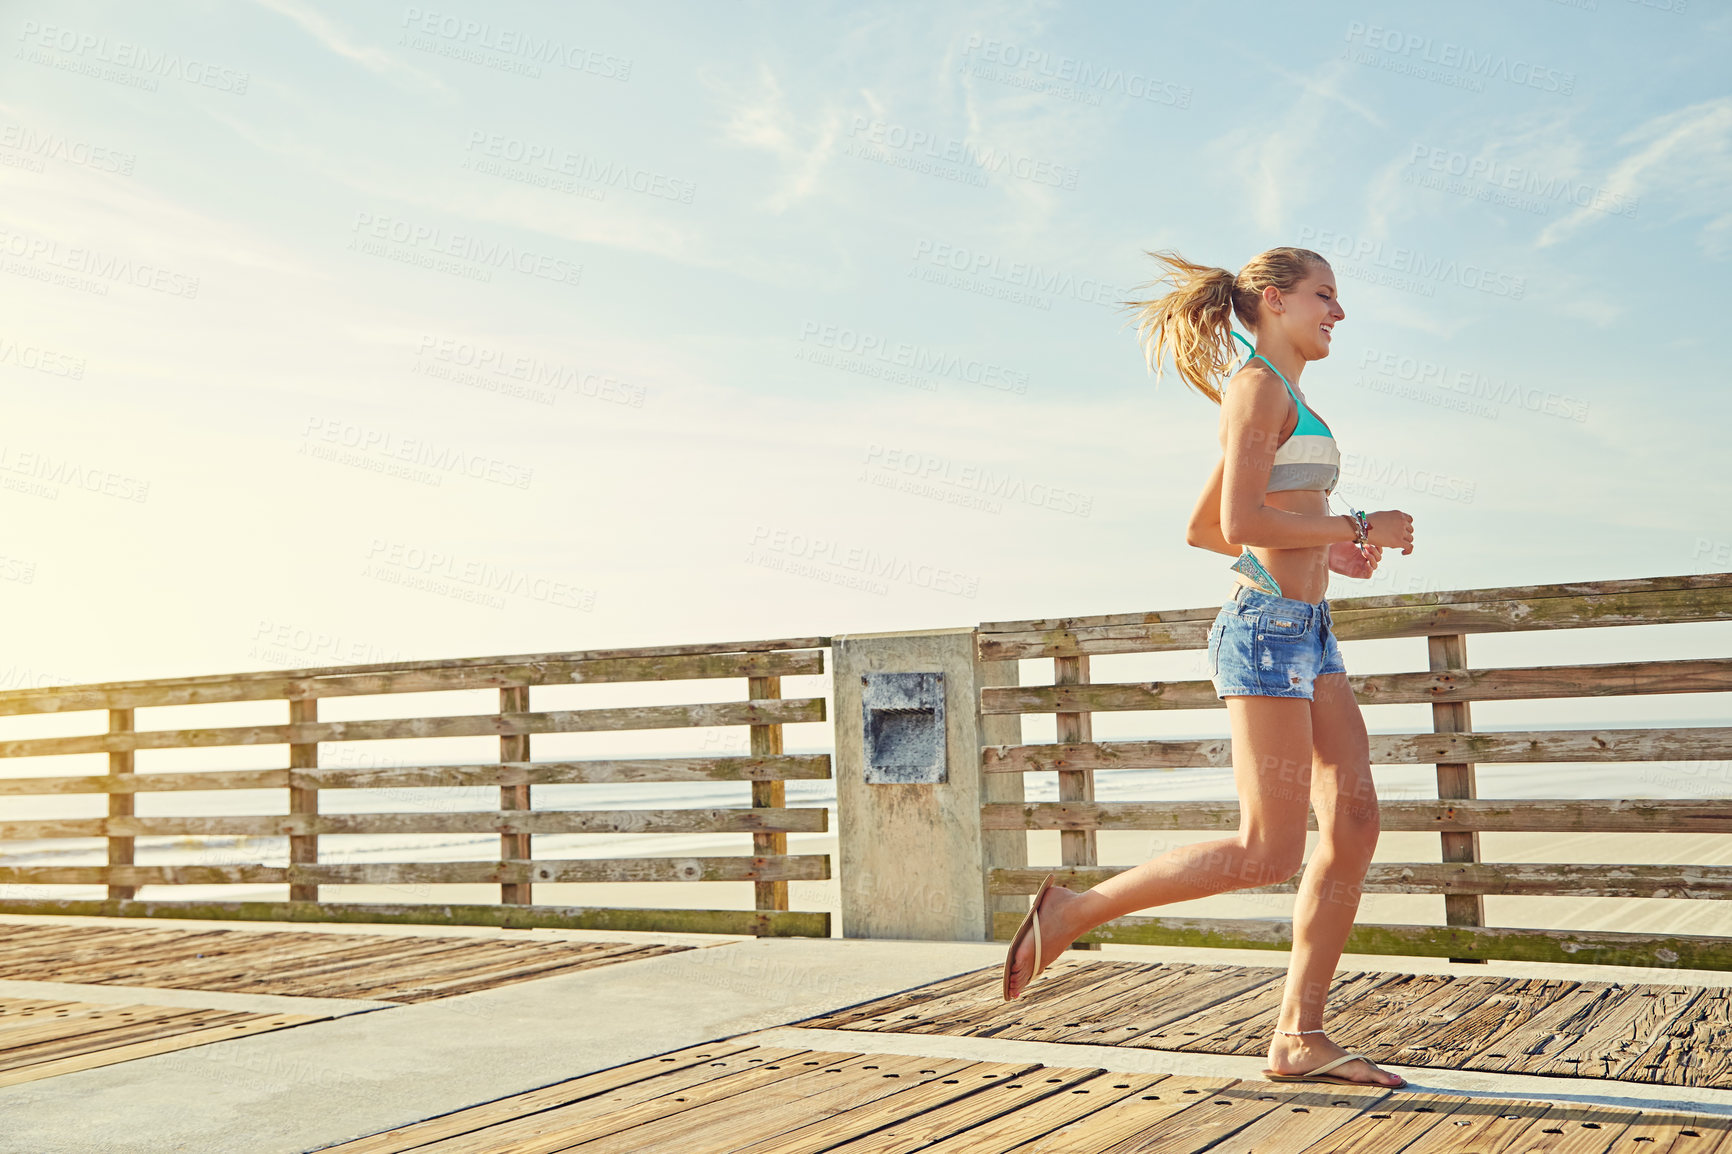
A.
x: 764, y: 120
x: 376, y: 60
x: 1686, y: 157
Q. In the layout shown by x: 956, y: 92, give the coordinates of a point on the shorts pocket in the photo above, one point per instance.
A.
x: 1275, y: 623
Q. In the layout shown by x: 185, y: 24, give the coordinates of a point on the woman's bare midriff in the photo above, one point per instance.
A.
x: 1302, y: 573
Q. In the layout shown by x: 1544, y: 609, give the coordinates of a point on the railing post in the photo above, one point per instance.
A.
x: 767, y: 742
x: 303, y: 848
x: 1456, y: 780
x: 514, y: 847
x: 1077, y: 847
x: 120, y: 804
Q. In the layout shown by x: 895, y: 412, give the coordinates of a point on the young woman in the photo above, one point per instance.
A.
x: 1298, y: 736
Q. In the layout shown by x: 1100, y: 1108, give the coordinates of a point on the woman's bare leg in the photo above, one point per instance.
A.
x: 1345, y: 799
x: 1272, y: 771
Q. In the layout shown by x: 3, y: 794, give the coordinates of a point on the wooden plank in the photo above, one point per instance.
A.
x: 1299, y: 1120
x: 787, y: 767
x: 303, y: 798
x: 259, y: 1024
x: 1679, y: 1054
x: 1245, y: 1024
x: 610, y: 1089
x: 514, y: 749
x: 1648, y: 601
x: 932, y: 1100
x: 1447, y: 655
x: 1151, y: 1020
x: 1504, y: 683
x: 782, y: 923
x: 896, y: 1003
x: 1010, y: 1115
x: 1594, y: 947
x: 1530, y: 815
x: 1490, y: 1125
x: 1570, y: 1129
x: 1542, y: 879
x: 1687, y: 743
x: 743, y: 1115
x: 766, y: 742
x: 1076, y: 846
x: 782, y: 767
x: 120, y: 765
x: 397, y: 676
x: 788, y: 710
x: 1399, y: 1121
x: 802, y: 820
x: 1707, y: 582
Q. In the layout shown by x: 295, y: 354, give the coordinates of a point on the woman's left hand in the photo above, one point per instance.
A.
x: 1346, y: 559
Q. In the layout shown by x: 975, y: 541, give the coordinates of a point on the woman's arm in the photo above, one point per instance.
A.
x: 1204, y: 531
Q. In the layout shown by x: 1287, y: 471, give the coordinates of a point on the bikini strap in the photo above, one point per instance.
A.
x: 1257, y: 356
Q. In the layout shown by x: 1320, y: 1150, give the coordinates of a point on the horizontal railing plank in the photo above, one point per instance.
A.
x: 147, y: 782
x: 1506, y: 878
x: 795, y: 867
x: 1511, y: 683
x: 760, y: 923
x: 1596, y: 947
x: 781, y: 663
x: 774, y: 767
x: 766, y: 712
x: 1689, y: 743
x: 765, y: 820
x: 1522, y: 815
x: 789, y: 767
x: 1645, y: 601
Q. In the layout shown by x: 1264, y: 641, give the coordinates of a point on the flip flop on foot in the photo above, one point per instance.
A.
x: 1031, y: 921
x: 1322, y: 1074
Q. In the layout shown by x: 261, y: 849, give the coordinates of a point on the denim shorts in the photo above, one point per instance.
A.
x: 1267, y: 646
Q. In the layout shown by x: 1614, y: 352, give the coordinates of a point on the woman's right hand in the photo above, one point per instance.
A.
x: 1392, y: 529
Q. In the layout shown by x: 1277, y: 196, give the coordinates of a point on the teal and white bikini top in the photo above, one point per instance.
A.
x: 1309, y: 458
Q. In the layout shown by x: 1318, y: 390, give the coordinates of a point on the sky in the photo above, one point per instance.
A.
x: 351, y: 333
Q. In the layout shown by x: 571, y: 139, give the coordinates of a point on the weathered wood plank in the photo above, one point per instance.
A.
x: 1654, y: 600
x: 610, y: 1090
x: 397, y: 676
x: 780, y: 923
x: 800, y: 820
x: 1542, y: 879
x: 1670, y: 743
x: 766, y: 742
x: 1510, y: 683
x: 120, y: 803
x: 787, y: 767
x: 790, y: 710
x: 796, y: 867
x: 1522, y: 815
x: 1593, y: 947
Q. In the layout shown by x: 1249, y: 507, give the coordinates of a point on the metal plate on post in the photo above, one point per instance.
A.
x: 904, y: 728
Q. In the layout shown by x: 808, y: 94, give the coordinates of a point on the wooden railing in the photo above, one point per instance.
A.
x: 1449, y: 685
x: 517, y: 820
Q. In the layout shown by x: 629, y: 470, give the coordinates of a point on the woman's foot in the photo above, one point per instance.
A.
x: 1289, y: 1055
x: 1056, y: 934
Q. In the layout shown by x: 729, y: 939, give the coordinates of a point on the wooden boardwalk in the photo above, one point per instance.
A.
x: 389, y: 968
x: 761, y: 1100
x: 40, y: 1038
x: 1635, y: 1032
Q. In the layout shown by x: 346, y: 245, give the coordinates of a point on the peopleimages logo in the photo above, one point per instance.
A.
x: 1411, y: 47
x: 899, y: 138
x: 1408, y: 262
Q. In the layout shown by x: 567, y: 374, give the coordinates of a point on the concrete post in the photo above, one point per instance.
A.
x: 913, y: 858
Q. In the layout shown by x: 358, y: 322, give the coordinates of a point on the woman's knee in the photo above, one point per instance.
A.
x: 1351, y: 830
x: 1271, y: 858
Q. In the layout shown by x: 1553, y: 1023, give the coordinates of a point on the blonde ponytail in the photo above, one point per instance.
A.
x: 1194, y: 319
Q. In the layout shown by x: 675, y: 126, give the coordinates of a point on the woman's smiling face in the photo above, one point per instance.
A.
x: 1308, y: 313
